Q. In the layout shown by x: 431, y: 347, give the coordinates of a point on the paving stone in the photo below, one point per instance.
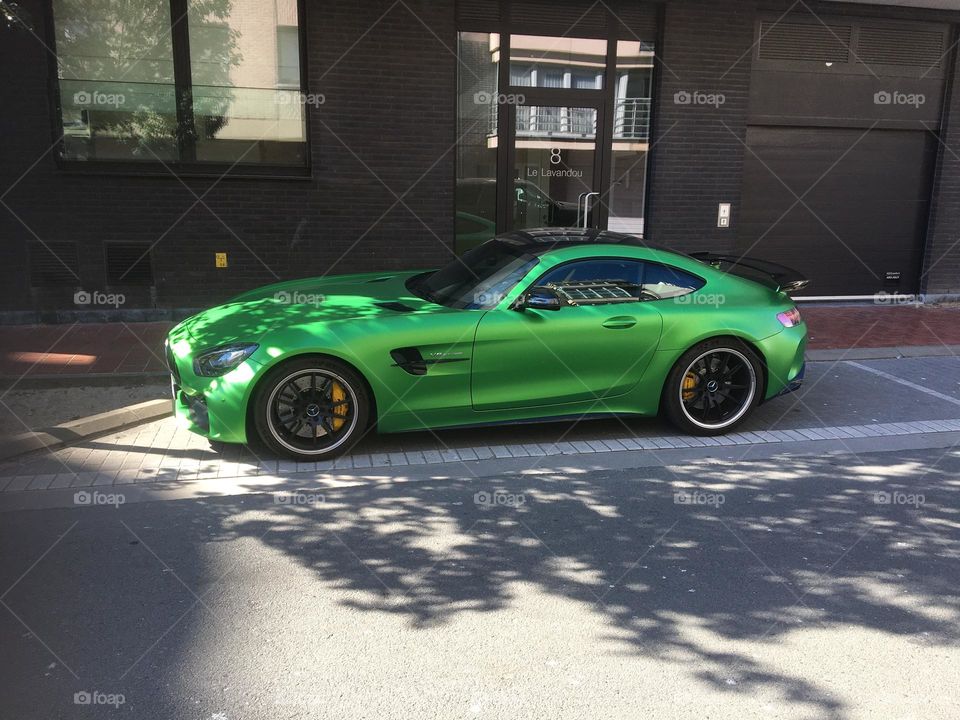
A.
x: 363, y: 460
x: 415, y: 457
x: 41, y: 482
x: 84, y: 479
x: 19, y: 482
x: 432, y: 456
x: 379, y: 460
x: 448, y: 455
x: 62, y: 480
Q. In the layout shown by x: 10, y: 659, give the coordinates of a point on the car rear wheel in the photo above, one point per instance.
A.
x: 713, y: 387
x: 311, y: 409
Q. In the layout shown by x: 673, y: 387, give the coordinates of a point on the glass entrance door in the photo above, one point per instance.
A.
x: 554, y: 159
x: 552, y: 131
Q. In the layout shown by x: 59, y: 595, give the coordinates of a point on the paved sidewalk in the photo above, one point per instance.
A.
x: 842, y: 404
x: 111, y: 348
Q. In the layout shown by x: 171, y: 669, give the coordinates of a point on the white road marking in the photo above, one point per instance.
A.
x: 906, y: 383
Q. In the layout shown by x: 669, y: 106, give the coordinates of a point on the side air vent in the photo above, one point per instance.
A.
x: 395, y: 306
x: 906, y: 47
x: 129, y: 264
x: 807, y: 42
x: 379, y: 279
x: 410, y: 360
x: 54, y: 264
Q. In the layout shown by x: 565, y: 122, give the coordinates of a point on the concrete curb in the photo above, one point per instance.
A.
x: 75, y: 430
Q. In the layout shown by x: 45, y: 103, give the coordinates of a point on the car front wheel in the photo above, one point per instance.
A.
x: 311, y: 409
x: 713, y: 387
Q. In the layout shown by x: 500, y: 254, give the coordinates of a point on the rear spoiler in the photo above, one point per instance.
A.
x: 772, y: 275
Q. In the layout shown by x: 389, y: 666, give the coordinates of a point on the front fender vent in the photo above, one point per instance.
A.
x: 410, y: 360
x: 395, y: 306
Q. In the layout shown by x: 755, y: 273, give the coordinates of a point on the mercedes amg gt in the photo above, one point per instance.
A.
x: 532, y: 325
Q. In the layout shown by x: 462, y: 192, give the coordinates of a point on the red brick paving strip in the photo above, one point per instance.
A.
x: 93, y: 348
x: 878, y: 326
x: 98, y: 348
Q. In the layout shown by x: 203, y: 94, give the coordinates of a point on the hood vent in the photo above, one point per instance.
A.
x: 395, y: 306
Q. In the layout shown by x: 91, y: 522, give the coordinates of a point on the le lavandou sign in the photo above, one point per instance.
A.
x: 550, y: 172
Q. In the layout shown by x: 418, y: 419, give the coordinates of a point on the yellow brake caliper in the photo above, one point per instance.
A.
x: 690, y: 381
x: 338, y: 397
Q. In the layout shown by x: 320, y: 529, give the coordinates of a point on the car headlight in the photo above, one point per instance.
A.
x: 222, y: 360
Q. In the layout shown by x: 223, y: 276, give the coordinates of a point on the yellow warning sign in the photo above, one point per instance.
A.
x: 221, y: 260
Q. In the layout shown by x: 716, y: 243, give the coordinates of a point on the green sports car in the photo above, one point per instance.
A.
x: 533, y: 325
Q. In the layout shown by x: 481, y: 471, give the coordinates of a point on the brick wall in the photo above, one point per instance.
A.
x: 390, y: 97
x: 941, y: 273
x: 389, y: 100
x: 698, y: 147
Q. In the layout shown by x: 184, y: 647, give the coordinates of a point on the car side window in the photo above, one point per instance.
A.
x: 625, y: 274
x: 663, y: 281
x: 598, y: 270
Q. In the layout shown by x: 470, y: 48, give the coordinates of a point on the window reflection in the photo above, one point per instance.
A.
x: 119, y: 91
x: 242, y: 66
x: 116, y: 79
x: 477, y: 103
x: 631, y: 133
x: 557, y: 62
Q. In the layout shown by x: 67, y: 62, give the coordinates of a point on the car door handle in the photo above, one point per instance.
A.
x: 620, y: 322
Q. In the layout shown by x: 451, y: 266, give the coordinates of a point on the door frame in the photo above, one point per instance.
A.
x: 602, y: 100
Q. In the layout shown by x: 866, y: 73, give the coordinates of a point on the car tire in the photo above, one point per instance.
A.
x: 713, y: 387
x: 312, y: 408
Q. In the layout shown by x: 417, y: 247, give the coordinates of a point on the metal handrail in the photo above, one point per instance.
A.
x: 631, y: 121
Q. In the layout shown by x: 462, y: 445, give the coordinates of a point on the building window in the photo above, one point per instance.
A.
x: 240, y: 97
x: 288, y: 57
x: 476, y: 198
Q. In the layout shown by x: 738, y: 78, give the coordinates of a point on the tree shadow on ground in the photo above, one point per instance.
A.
x: 701, y: 569
x: 751, y: 553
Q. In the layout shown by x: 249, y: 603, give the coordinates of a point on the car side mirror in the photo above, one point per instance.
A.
x: 540, y: 298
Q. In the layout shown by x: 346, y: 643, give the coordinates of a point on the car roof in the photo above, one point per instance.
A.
x: 537, y: 241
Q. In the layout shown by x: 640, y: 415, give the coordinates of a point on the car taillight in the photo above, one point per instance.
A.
x: 789, y: 318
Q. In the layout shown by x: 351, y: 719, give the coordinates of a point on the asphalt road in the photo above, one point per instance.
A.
x: 782, y: 587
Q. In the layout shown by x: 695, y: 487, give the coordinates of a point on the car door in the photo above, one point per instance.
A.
x: 582, y: 352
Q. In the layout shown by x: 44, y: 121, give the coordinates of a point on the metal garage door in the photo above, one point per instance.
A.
x: 841, y: 149
x: 847, y: 207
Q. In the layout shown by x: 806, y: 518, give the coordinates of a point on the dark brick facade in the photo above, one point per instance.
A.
x: 941, y: 273
x: 387, y: 127
x: 698, y: 148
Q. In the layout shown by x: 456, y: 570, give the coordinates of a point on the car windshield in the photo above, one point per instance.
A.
x: 478, y: 280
